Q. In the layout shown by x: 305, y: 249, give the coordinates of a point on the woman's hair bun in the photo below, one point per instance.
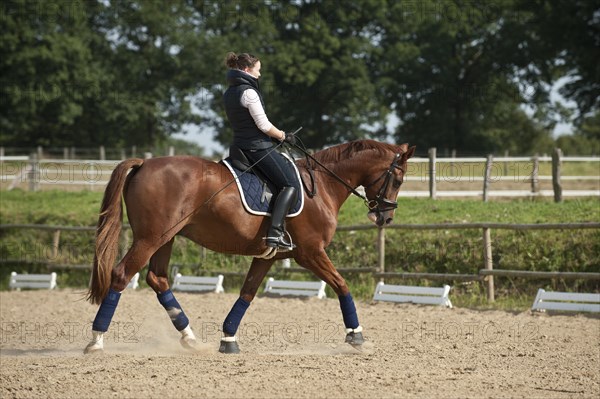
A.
x: 231, y: 60
x: 241, y: 61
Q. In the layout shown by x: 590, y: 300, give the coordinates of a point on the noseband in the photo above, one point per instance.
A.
x: 380, y: 203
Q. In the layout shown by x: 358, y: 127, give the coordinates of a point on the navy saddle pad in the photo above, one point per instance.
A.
x: 257, y: 195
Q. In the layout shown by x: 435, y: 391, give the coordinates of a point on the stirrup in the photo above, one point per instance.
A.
x: 279, y: 243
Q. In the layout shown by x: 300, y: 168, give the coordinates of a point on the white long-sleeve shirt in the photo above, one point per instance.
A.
x: 251, y: 100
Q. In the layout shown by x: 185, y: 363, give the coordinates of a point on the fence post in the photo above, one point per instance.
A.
x: 432, y: 187
x: 171, y: 151
x: 381, y: 249
x: 133, y: 151
x: 65, y: 153
x: 486, y: 178
x: 34, y: 173
x: 147, y: 155
x: 535, y: 181
x: 123, y: 155
x: 102, y: 153
x: 556, y: 161
x: 487, y: 258
x: 1, y: 153
x: 40, y: 152
x: 55, y: 244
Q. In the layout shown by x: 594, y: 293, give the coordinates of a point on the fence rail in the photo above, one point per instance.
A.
x: 35, y: 171
x: 486, y: 274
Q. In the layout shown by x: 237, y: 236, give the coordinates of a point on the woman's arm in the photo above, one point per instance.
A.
x: 251, y: 101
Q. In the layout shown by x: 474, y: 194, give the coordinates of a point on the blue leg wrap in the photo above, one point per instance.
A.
x: 106, y: 311
x: 348, y: 311
x: 233, y: 319
x: 173, y: 308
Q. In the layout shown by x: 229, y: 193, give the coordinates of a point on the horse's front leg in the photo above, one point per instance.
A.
x: 256, y: 274
x: 320, y: 264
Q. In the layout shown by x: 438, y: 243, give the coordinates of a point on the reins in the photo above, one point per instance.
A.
x: 371, y: 204
x: 332, y: 173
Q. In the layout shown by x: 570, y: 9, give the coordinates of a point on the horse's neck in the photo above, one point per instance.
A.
x: 352, y: 171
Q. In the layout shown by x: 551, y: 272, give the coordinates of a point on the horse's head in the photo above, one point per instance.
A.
x: 385, y: 182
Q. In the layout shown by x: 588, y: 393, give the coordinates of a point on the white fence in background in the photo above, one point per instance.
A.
x: 34, y: 173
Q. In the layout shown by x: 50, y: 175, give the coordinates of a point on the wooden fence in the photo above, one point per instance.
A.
x: 486, y: 274
x: 533, y: 178
x: 33, y: 171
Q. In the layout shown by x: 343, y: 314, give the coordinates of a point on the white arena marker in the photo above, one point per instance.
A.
x: 39, y: 281
x: 296, y: 288
x: 566, y: 301
x: 410, y: 294
x: 198, y: 284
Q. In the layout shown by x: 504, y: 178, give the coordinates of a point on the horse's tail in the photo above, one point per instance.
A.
x: 108, y: 230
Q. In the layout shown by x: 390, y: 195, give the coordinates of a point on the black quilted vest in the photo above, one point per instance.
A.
x: 246, y: 134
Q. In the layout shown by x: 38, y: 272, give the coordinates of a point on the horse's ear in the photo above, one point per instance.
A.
x: 409, y: 153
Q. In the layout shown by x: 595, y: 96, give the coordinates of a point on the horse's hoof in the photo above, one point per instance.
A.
x: 355, y: 339
x: 229, y: 347
x: 189, y: 344
x: 93, y: 350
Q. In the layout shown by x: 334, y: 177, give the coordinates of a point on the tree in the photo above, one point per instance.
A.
x: 585, y: 141
x: 88, y: 73
x: 46, y: 68
x: 449, y: 71
x: 315, y: 58
x: 562, y: 39
x: 458, y: 74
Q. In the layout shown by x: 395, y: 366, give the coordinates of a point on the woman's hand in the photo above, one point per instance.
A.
x: 276, y: 133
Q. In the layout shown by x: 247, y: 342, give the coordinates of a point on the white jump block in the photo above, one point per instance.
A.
x: 410, y: 294
x: 566, y: 301
x: 40, y: 281
x: 134, y: 283
x: 198, y: 284
x: 296, y: 288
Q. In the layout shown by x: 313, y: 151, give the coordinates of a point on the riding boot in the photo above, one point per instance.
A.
x: 277, y: 236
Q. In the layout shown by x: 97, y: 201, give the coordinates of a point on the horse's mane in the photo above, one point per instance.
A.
x: 346, y: 150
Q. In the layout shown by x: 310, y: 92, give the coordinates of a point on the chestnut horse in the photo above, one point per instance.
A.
x: 190, y: 196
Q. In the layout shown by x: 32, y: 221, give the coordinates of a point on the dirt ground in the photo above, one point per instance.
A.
x: 293, y: 348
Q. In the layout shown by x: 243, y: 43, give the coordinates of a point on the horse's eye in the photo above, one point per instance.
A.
x: 396, y: 183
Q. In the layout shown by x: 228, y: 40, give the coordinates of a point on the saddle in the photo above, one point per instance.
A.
x: 256, y: 191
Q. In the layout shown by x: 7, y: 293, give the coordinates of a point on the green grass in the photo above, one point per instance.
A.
x: 50, y: 207
x: 423, y: 211
x: 439, y: 251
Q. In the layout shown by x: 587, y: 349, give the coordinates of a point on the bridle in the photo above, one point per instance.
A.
x: 381, y: 204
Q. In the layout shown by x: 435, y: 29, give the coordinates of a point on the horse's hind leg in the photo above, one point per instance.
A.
x: 256, y: 274
x: 158, y: 279
x: 132, y: 262
x: 321, y: 265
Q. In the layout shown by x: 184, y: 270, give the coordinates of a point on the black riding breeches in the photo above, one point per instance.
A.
x: 274, y: 166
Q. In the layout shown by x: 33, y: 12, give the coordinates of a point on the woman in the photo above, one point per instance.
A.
x: 254, y: 134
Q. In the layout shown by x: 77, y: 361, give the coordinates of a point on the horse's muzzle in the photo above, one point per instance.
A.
x: 380, y: 218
